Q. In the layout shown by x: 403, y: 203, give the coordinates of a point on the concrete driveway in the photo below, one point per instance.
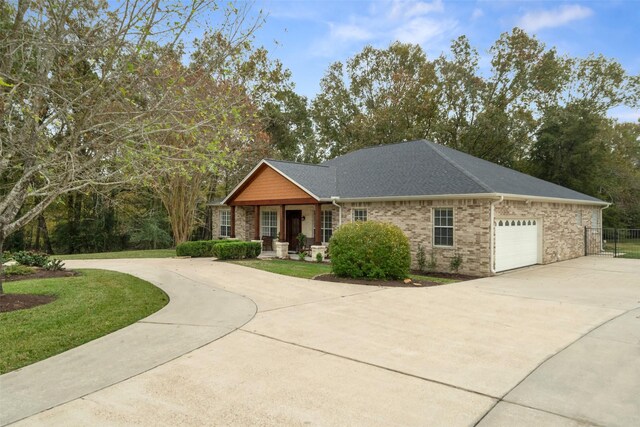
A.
x: 548, y: 345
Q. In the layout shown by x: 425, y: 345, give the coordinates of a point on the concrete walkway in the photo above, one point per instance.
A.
x: 547, y: 345
x: 196, y: 314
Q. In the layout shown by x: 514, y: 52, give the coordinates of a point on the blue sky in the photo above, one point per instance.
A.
x: 309, y: 35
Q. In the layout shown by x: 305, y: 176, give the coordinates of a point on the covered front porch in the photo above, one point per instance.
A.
x: 270, y: 207
x: 279, y: 226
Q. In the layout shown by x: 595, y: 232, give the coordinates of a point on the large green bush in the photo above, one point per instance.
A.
x: 237, y: 250
x: 370, y: 249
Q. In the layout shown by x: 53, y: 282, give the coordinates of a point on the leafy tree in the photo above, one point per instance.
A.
x: 494, y: 117
x: 288, y: 123
x: 381, y: 96
x: 569, y: 149
x: 620, y: 183
x: 73, y: 110
x: 150, y: 232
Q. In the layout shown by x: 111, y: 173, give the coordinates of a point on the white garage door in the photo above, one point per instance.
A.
x: 516, y: 243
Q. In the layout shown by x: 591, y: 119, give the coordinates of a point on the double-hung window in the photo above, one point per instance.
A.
x: 359, y: 214
x: 269, y: 223
x: 443, y: 227
x: 225, y: 223
x: 327, y: 225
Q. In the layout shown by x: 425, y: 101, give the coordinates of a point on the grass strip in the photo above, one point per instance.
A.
x: 88, y: 306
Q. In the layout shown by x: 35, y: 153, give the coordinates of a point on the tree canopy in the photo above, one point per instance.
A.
x: 117, y: 130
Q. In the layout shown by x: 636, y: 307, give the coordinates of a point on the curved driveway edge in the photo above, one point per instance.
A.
x: 196, y: 314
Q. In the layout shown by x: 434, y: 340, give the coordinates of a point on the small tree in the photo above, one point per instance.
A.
x: 421, y: 258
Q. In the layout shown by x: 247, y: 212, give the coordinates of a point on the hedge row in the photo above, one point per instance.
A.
x: 237, y: 250
x: 221, y: 249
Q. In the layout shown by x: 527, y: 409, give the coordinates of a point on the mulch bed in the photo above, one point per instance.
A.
x: 374, y: 282
x: 40, y: 274
x: 397, y: 283
x: 454, y: 276
x: 13, y: 302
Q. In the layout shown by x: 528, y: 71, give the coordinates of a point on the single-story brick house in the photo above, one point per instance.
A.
x: 451, y: 203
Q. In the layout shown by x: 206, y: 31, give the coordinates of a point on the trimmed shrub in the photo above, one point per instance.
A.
x: 253, y: 249
x: 369, y: 249
x: 199, y: 248
x: 32, y: 259
x: 207, y: 248
x: 237, y: 250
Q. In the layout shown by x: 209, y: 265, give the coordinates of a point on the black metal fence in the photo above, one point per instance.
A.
x: 613, y: 242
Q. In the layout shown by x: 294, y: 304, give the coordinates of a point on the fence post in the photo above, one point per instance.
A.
x: 586, y: 242
x: 615, y: 243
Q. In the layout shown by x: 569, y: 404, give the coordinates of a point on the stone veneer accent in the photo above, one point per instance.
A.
x: 244, y: 221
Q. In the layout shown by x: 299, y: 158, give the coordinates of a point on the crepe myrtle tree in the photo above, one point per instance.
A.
x: 74, y: 76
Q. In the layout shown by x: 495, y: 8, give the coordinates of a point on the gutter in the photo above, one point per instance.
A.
x: 333, y: 202
x: 491, y: 239
x: 470, y: 196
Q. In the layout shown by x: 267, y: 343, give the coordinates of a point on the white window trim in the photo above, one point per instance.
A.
x: 353, y: 214
x: 322, y: 224
x: 452, y: 227
x: 225, y: 211
x: 262, y: 225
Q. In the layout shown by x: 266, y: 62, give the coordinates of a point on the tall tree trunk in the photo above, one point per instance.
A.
x: 71, y: 227
x: 36, y: 246
x: 42, y: 228
x: 1, y: 260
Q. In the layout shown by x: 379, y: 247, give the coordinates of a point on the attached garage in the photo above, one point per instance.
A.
x: 516, y: 243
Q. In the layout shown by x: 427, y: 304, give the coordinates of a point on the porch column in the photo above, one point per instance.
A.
x: 233, y: 222
x: 283, y: 230
x: 256, y: 222
x: 318, y: 226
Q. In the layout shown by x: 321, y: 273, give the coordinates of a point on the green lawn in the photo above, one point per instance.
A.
x: 150, y: 253
x: 87, y: 307
x: 307, y: 270
x: 625, y: 249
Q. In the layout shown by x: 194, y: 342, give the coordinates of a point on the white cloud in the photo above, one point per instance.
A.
x: 533, y: 21
x: 477, y: 13
x: 409, y: 9
x: 422, y: 30
x: 348, y: 32
x: 386, y: 21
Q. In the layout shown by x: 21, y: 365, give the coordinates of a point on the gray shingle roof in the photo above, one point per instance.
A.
x: 318, y: 179
x: 416, y: 168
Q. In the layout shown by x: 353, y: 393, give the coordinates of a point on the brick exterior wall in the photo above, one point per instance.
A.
x: 470, y: 232
x: 562, y: 225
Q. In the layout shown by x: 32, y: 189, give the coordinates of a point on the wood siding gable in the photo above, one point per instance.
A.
x: 267, y: 187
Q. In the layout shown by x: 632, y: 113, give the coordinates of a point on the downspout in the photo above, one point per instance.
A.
x: 601, y: 211
x: 333, y: 202
x: 491, y: 237
x: 601, y: 229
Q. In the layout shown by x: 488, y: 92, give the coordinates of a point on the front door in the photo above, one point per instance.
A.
x: 294, y: 227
